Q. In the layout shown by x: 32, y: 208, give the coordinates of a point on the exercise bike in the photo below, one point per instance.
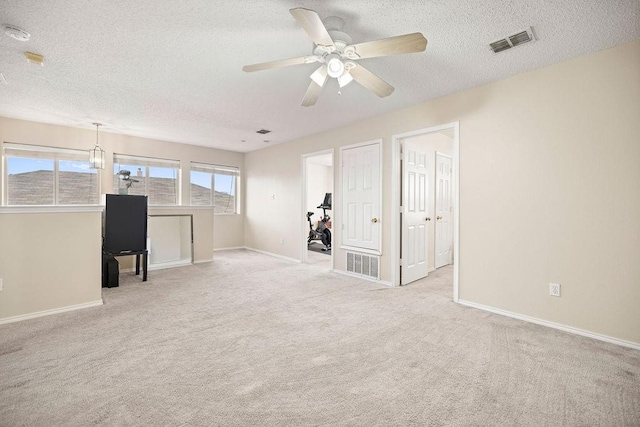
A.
x: 322, y: 232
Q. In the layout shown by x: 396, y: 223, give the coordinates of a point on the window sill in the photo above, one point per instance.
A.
x: 50, y: 209
x: 179, y: 207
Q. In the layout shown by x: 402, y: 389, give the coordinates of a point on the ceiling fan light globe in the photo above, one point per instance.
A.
x: 319, y: 76
x: 345, y: 79
x: 335, y: 67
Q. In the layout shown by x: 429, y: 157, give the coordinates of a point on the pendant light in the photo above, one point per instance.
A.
x: 96, y: 154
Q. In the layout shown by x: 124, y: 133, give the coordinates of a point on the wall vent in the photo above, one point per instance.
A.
x: 363, y: 264
x: 517, y: 39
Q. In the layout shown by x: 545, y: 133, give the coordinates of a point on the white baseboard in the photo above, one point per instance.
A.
x: 229, y: 248
x: 358, y: 276
x: 200, y: 261
x: 273, y: 255
x: 50, y: 312
x: 169, y: 264
x: 565, y: 328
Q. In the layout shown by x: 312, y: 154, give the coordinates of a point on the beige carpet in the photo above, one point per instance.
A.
x: 254, y: 340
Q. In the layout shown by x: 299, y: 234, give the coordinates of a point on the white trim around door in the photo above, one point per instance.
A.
x: 303, y: 205
x: 395, y: 200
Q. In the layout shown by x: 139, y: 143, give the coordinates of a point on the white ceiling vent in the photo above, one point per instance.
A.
x: 517, y: 39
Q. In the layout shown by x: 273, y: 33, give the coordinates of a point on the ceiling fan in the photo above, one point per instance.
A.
x: 333, y: 49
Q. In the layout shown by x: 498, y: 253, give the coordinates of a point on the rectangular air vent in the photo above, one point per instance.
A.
x: 364, y: 265
x: 263, y: 131
x: 517, y: 39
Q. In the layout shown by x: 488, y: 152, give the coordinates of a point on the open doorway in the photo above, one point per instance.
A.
x: 317, y: 207
x: 425, y: 225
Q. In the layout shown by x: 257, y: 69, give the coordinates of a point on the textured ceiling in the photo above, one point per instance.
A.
x: 172, y: 70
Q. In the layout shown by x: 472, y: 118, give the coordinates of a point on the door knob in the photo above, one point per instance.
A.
x: 428, y: 218
x: 438, y: 217
x: 374, y: 220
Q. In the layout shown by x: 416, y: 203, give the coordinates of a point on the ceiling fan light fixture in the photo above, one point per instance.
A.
x: 319, y: 76
x: 333, y: 48
x: 335, y: 66
x: 345, y: 79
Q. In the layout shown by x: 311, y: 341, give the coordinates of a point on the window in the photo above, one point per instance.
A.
x: 36, y: 175
x: 213, y: 185
x: 156, y: 178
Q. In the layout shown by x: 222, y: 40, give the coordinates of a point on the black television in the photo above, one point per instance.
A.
x: 125, y: 224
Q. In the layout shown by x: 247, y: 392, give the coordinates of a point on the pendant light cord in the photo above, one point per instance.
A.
x: 97, y: 127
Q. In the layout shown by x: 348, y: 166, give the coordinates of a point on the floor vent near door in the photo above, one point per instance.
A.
x: 365, y: 265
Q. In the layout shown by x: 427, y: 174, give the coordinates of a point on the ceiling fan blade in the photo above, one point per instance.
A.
x: 408, y: 43
x: 312, y: 94
x: 281, y: 63
x: 312, y: 24
x: 370, y: 81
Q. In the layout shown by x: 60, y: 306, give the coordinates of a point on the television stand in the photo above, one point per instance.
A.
x: 145, y: 261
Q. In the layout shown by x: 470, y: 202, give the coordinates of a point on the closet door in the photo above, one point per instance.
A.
x: 361, y: 197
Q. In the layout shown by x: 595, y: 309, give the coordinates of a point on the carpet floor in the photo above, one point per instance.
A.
x: 254, y: 340
x: 318, y: 247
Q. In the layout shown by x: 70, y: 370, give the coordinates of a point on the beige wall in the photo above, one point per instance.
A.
x: 203, y: 221
x: 318, y: 184
x: 228, y: 231
x: 549, y: 190
x: 49, y: 261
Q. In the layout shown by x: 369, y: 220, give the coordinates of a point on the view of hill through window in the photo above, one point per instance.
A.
x: 49, y: 177
x: 35, y: 181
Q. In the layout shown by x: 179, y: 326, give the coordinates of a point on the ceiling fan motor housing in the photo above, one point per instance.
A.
x: 334, y: 26
x: 340, y: 39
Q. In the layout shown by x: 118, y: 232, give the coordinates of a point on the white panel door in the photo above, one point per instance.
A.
x: 415, y: 190
x: 361, y: 197
x: 444, y: 224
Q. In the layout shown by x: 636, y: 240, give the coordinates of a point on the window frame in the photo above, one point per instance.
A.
x: 51, y: 153
x: 216, y: 169
x: 148, y: 162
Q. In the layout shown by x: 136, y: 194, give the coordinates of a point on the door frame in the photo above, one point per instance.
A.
x: 396, y: 180
x: 303, y: 210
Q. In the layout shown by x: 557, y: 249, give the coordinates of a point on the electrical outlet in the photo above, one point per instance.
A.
x: 0, y: 284
x: 282, y: 241
x: 554, y: 289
